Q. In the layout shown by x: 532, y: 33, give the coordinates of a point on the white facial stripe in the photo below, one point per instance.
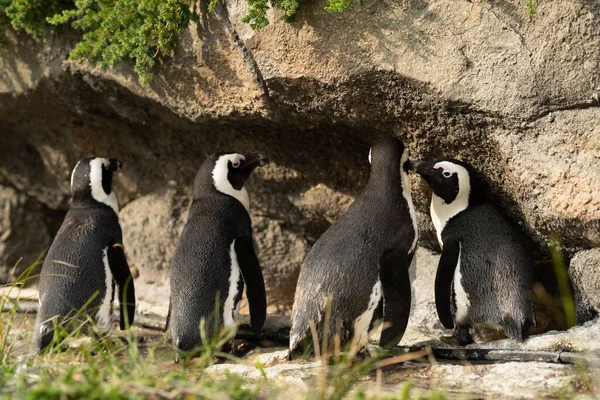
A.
x: 370, y: 150
x: 98, y: 193
x: 223, y: 185
x: 447, y: 166
x: 73, y: 173
x: 407, y: 196
x: 234, y: 277
x: 442, y: 212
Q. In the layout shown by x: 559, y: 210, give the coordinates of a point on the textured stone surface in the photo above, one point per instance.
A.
x: 493, y: 59
x: 555, y: 164
x: 585, y: 275
x: 23, y: 233
x: 423, y: 323
x: 151, y: 226
x: 503, y: 380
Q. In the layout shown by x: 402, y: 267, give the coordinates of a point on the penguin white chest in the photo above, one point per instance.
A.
x: 230, y: 308
x: 460, y: 295
x: 362, y: 323
x: 441, y: 213
x: 104, y: 316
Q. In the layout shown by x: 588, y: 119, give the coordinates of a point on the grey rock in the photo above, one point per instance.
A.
x: 296, y: 374
x: 584, y: 272
x: 151, y: 227
x: 270, y: 358
x: 504, y: 380
x: 423, y: 324
x: 577, y: 339
x: 511, y: 380
x: 23, y: 234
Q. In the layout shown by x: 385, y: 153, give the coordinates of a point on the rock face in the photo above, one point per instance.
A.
x: 151, y: 225
x: 23, y: 234
x: 585, y: 275
x: 475, y: 81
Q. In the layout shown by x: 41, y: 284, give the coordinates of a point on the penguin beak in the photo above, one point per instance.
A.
x: 115, y: 164
x: 416, y: 166
x: 423, y: 168
x: 254, y: 160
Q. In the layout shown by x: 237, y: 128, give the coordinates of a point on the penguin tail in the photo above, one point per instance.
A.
x: 301, y: 349
x: 45, y: 336
x: 186, y: 342
x: 301, y: 346
x: 517, y: 329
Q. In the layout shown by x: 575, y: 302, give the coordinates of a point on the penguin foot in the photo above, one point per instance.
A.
x: 514, y: 330
x: 239, y: 348
x: 362, y: 354
x: 460, y: 337
x: 450, y: 340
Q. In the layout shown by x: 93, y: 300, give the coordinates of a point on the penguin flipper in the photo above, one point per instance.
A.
x: 395, y: 283
x: 443, y: 282
x: 253, y: 278
x: 122, y: 275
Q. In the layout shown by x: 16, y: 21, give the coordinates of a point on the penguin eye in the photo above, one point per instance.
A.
x: 235, y: 164
x: 447, y: 174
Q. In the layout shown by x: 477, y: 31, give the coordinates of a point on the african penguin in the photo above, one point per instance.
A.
x: 359, y: 268
x: 484, y: 273
x: 215, y: 255
x: 86, y: 258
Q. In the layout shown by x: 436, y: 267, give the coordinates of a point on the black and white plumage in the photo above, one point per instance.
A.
x: 484, y: 273
x: 215, y: 255
x: 86, y: 257
x: 359, y: 268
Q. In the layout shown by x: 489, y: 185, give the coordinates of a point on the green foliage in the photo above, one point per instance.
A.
x: 127, y: 29
x: 30, y: 15
x: 212, y: 4
x: 531, y: 6
x: 562, y: 278
x: 290, y: 7
x: 257, y: 15
x: 340, y: 5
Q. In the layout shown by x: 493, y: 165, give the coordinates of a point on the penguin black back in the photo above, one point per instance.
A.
x: 86, y: 258
x: 360, y: 260
x: 215, y: 254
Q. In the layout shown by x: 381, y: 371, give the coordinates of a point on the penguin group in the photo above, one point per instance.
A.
x: 354, y: 280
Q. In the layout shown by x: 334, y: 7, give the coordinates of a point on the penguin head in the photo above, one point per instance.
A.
x: 451, y: 180
x: 91, y: 181
x: 227, y: 173
x: 386, y: 156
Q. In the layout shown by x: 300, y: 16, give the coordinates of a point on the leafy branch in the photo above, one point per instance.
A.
x: 134, y: 30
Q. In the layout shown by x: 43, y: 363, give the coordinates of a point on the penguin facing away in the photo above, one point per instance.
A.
x: 215, y: 255
x: 484, y: 273
x: 358, y: 269
x: 86, y: 258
